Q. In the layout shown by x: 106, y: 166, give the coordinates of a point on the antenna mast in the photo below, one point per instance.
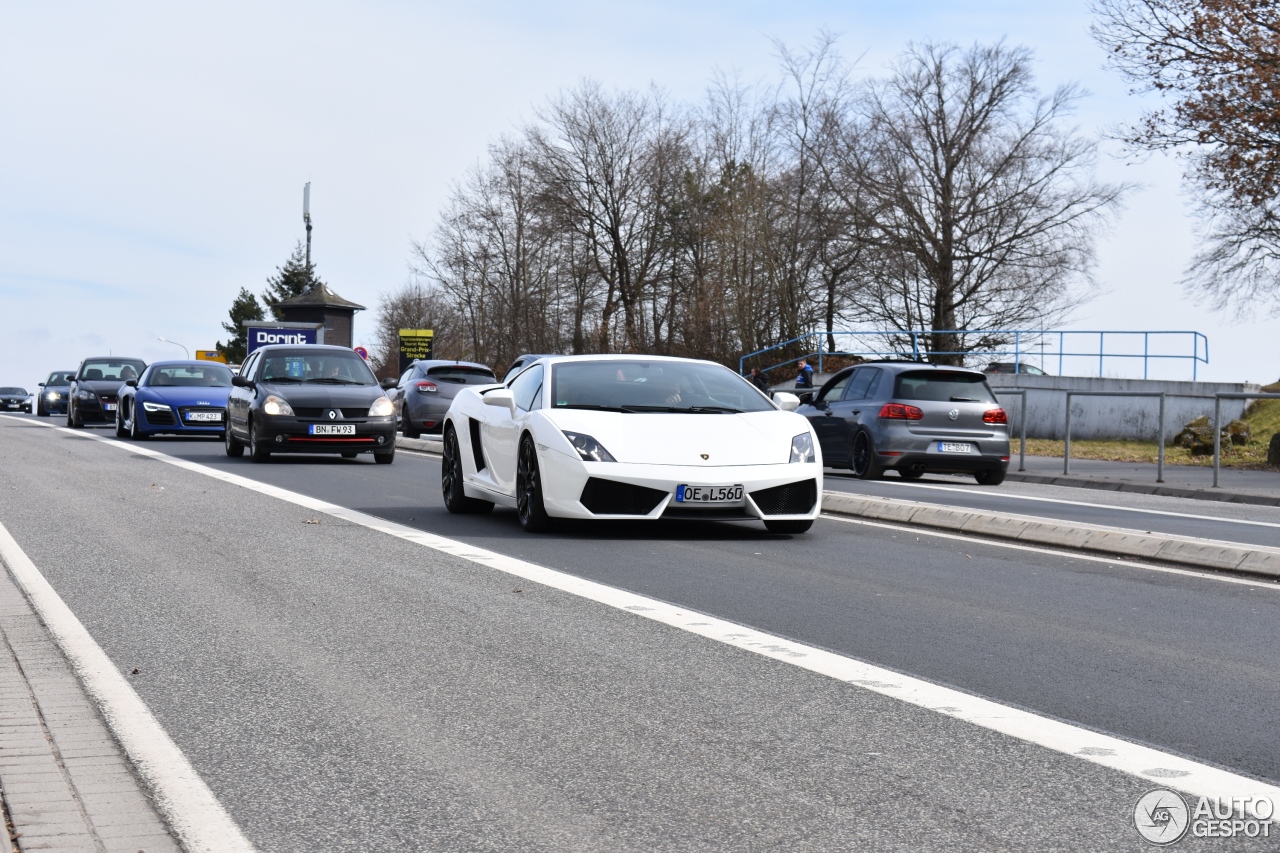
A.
x: 306, y: 217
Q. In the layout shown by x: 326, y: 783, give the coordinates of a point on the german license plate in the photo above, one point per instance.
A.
x: 954, y: 447
x: 205, y: 417
x: 709, y: 494
x: 110, y: 407
x: 332, y: 429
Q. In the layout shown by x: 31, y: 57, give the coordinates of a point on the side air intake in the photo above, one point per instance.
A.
x: 477, y: 452
x: 609, y: 497
x: 790, y: 499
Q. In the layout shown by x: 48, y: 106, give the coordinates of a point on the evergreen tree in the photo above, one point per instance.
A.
x: 245, y: 307
x: 290, y: 280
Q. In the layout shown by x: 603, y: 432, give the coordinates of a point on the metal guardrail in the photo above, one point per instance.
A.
x: 1022, y: 421
x: 1217, y: 422
x: 1025, y: 344
x: 1066, y: 450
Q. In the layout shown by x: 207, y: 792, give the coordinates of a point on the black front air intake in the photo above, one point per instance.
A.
x: 609, y: 497
x: 790, y: 499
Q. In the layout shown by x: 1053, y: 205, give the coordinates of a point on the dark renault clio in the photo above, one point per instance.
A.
x: 309, y: 399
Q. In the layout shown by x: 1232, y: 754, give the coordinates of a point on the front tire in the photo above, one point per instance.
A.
x: 455, y: 497
x: 73, y: 421
x: 121, y: 432
x: 792, y: 527
x: 135, y: 431
x: 989, y: 477
x: 529, y: 507
x: 864, y: 463
x: 407, y: 425
x: 258, y: 450
x: 232, y: 444
x: 388, y: 457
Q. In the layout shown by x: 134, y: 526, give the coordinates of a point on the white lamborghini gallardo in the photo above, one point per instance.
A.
x: 631, y: 437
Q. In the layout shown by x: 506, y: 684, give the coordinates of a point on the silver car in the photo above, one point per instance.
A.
x: 913, y: 418
x: 426, y: 389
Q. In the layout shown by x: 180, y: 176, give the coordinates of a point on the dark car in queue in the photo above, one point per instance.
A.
x: 520, y: 364
x: 54, y: 393
x: 14, y: 399
x: 174, y: 397
x: 1020, y: 367
x: 426, y: 390
x: 95, y: 388
x: 309, y: 399
x: 912, y: 418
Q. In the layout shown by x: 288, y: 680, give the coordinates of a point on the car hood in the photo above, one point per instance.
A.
x: 183, y: 396
x: 751, y: 438
x: 100, y: 386
x: 325, y: 395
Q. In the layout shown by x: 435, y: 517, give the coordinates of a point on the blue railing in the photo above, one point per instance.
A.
x: 1026, y: 343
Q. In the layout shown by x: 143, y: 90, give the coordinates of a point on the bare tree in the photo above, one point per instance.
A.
x: 415, y: 305
x: 980, y: 204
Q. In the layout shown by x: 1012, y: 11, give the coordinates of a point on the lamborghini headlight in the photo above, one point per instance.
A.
x: 802, y: 448
x: 588, y: 448
x: 274, y: 405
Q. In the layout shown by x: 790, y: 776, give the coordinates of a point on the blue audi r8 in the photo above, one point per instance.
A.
x: 176, y: 397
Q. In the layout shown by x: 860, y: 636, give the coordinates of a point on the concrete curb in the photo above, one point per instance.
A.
x: 1144, y: 489
x: 421, y: 445
x: 1178, y: 550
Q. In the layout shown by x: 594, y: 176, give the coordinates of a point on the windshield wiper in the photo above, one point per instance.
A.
x: 699, y: 410
x: 964, y: 400
x: 591, y: 406
x: 333, y: 380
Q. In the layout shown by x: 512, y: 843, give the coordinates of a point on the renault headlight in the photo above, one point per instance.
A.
x: 802, y: 448
x: 382, y: 408
x: 273, y: 405
x: 588, y: 448
x: 155, y: 407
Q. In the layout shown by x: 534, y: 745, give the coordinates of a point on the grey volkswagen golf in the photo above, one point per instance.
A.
x: 913, y: 418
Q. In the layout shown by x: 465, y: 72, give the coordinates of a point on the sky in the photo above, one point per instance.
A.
x: 152, y: 155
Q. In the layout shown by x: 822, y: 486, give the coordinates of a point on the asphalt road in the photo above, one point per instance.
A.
x: 340, y: 689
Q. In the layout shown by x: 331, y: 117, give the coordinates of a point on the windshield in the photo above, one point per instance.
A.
x: 653, y: 386
x: 464, y: 375
x: 190, y: 376
x: 940, y: 386
x: 113, y: 370
x: 324, y: 367
x: 60, y: 377
x: 21, y: 391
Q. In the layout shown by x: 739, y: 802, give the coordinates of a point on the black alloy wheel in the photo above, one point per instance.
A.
x: 232, y: 444
x: 989, y: 476
x: 455, y: 497
x: 864, y: 459
x: 388, y: 456
x: 258, y: 450
x: 788, y: 526
x: 40, y: 412
x: 121, y: 432
x: 135, y: 431
x: 73, y: 421
x: 529, y: 507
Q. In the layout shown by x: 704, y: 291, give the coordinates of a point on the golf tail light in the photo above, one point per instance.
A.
x: 995, y: 416
x: 588, y: 448
x: 425, y: 387
x: 274, y: 405
x: 901, y: 412
x: 382, y: 408
x: 802, y: 448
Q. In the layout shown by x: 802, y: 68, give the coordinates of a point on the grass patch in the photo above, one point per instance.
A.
x: 1263, y: 417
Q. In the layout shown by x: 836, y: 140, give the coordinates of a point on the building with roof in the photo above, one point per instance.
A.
x: 321, y: 305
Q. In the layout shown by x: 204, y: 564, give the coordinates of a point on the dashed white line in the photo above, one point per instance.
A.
x: 1162, y: 768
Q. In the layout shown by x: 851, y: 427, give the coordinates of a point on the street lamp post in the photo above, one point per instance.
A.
x: 176, y: 344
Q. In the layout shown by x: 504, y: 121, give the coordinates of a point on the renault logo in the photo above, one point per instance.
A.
x: 953, y: 414
x: 333, y: 416
x: 705, y: 455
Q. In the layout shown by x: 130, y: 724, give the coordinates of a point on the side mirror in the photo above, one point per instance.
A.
x: 132, y: 383
x: 41, y: 384
x: 786, y: 401
x: 241, y: 381
x: 501, y: 397
x: 388, y: 384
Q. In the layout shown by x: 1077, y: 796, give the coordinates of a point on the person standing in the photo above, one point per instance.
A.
x: 804, y: 376
x: 758, y: 379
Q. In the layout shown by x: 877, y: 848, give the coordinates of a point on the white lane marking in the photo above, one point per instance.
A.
x: 192, y: 811
x: 1208, y: 574
x: 988, y: 494
x: 1144, y: 762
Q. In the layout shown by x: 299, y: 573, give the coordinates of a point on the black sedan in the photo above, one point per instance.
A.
x: 15, y: 400
x: 95, y: 388
x: 54, y: 393
x: 309, y: 399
